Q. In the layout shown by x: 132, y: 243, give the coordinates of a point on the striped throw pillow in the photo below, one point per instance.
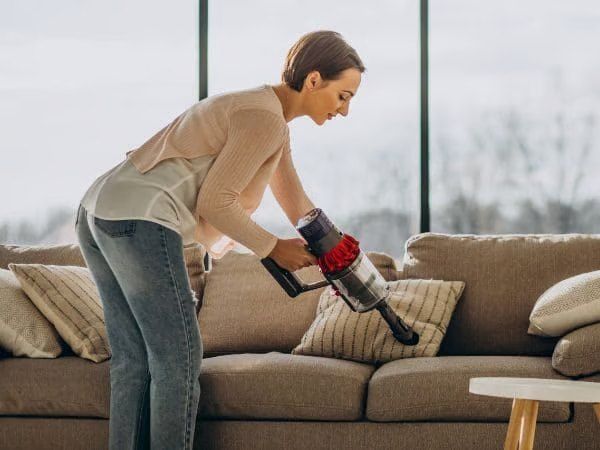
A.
x: 339, y: 332
x: 67, y: 296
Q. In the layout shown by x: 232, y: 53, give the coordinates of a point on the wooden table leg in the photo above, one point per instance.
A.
x: 514, y: 426
x: 597, y: 409
x: 528, y: 428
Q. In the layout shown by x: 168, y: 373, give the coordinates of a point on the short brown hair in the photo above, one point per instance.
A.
x: 325, y: 51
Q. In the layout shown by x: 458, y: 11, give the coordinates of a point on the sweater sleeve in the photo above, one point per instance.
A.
x: 287, y: 189
x: 253, y: 137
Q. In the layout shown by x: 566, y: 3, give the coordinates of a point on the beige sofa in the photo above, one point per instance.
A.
x: 256, y: 395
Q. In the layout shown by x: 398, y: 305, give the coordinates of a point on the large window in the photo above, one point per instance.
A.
x: 81, y: 83
x: 514, y: 98
x: 515, y: 116
x: 362, y: 170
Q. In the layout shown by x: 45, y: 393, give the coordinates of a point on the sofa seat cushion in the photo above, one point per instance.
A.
x: 64, y: 386
x: 437, y: 389
x: 282, y: 386
x: 271, y: 386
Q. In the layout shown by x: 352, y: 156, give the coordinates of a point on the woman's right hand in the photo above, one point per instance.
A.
x: 292, y: 254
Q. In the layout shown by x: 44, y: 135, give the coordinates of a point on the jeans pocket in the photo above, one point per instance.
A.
x: 116, y: 228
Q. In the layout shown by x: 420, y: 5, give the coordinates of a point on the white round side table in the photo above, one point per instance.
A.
x: 526, y: 394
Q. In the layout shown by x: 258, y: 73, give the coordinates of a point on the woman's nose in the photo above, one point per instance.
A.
x: 344, y: 109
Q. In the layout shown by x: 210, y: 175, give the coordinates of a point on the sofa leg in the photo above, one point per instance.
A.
x: 514, y: 426
x: 597, y: 409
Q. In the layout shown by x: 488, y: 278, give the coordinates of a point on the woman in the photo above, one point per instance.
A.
x: 198, y: 180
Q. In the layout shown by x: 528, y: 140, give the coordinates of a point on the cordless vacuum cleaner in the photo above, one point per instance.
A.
x: 346, y: 268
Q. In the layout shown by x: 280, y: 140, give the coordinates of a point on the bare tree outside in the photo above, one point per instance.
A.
x: 522, y: 171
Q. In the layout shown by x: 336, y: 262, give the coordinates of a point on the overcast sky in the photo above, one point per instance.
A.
x: 82, y: 82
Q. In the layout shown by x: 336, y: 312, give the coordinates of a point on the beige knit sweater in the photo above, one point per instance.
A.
x: 249, y: 135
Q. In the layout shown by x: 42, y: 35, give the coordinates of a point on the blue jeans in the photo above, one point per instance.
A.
x: 151, y: 323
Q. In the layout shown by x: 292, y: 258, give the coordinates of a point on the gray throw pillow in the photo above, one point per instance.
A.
x: 578, y: 352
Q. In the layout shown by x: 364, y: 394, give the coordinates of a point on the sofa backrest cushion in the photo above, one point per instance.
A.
x: 504, y: 275
x: 57, y: 254
x: 70, y: 255
x: 245, y: 310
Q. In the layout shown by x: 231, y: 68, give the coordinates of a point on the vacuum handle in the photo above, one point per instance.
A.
x: 290, y: 282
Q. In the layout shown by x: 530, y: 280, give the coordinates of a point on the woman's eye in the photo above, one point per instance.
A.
x: 342, y: 98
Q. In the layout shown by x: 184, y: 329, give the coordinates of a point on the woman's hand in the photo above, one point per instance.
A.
x: 292, y: 254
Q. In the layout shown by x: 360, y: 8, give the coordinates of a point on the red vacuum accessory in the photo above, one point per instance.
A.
x: 341, y: 256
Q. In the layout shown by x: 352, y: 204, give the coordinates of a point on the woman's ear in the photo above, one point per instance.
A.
x: 313, y: 80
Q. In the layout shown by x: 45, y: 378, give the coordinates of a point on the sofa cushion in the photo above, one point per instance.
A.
x: 64, y: 386
x: 437, y: 389
x: 245, y: 310
x: 23, y: 329
x: 272, y: 385
x: 566, y: 306
x: 504, y: 276
x: 67, y: 296
x: 70, y: 255
x: 59, y: 254
x: 282, y: 386
x: 578, y: 352
x: 338, y: 332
